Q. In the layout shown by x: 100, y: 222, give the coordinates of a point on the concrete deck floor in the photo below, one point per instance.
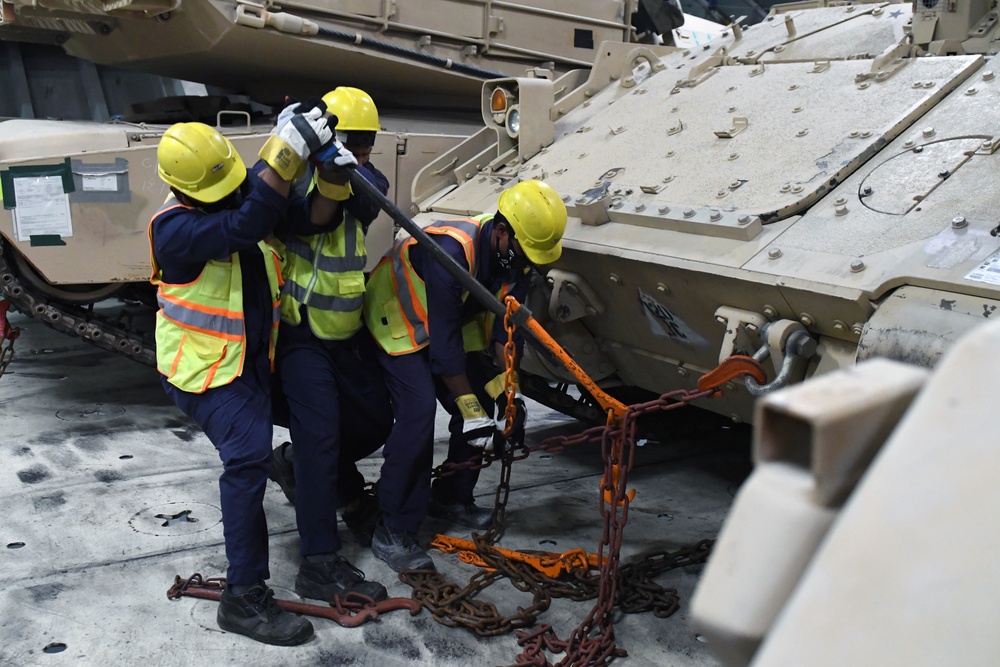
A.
x: 92, y: 450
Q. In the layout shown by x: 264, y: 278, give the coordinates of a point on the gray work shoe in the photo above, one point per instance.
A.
x: 255, y: 614
x: 467, y: 514
x: 399, y: 549
x: 361, y: 520
x: 323, y: 581
x: 282, y: 471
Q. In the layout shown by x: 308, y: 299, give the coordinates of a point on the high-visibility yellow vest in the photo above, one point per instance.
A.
x: 200, y: 329
x: 326, y: 273
x: 396, y: 297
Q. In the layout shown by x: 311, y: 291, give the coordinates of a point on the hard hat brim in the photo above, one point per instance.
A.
x: 541, y: 257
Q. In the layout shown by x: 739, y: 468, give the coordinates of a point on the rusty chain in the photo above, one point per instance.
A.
x: 349, y: 611
x: 631, y: 588
x: 8, y: 335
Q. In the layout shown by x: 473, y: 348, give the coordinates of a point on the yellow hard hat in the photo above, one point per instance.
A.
x: 538, y: 216
x: 199, y: 162
x: 357, y: 116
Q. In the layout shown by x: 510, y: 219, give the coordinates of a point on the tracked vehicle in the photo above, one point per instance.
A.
x: 78, y: 195
x: 815, y: 190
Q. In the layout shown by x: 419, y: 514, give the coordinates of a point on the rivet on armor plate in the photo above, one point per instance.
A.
x: 668, y: 179
x: 801, y: 133
x: 958, y: 222
x: 857, y: 266
x: 796, y: 109
x: 581, y: 156
x: 770, y: 312
x: 660, y: 287
x: 689, y: 213
x: 988, y: 75
x: 715, y: 216
x: 640, y: 207
x: 928, y: 132
x: 797, y: 189
x: 787, y: 187
x: 928, y: 84
x: 683, y: 372
x: 779, y: 48
x: 664, y: 210
x: 617, y: 203
x: 721, y: 193
x: 566, y: 198
x: 877, y: 12
x: 971, y: 91
x: 721, y: 320
x: 732, y: 109
x: 908, y: 143
x: 806, y: 319
x: 733, y: 156
x: 793, y: 87
x: 675, y: 109
x: 751, y: 52
x: 863, y: 85
x: 840, y: 210
x: 866, y: 134
x: 839, y: 326
x: 774, y: 253
x: 615, y: 279
x: 857, y: 328
x: 840, y: 201
x: 855, y: 134
x: 670, y: 154
x: 743, y: 220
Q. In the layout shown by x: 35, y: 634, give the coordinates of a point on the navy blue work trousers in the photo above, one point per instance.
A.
x: 404, y: 488
x: 339, y: 414
x: 237, y: 419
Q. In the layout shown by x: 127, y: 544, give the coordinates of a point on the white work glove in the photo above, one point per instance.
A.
x: 301, y: 130
x: 335, y: 156
x: 478, y: 428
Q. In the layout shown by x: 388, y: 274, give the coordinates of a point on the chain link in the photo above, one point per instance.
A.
x: 631, y: 588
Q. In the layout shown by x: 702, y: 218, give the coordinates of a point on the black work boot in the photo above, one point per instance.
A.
x: 256, y: 615
x: 322, y: 581
x: 362, y: 517
x: 399, y: 549
x: 467, y: 514
x: 282, y: 471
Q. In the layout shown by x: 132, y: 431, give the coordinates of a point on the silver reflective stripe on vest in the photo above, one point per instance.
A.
x: 231, y: 326
x: 470, y: 229
x: 404, y: 295
x: 338, y: 304
x: 333, y: 264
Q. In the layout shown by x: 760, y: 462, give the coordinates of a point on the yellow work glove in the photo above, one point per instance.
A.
x: 477, y: 428
x: 334, y: 191
x: 296, y: 136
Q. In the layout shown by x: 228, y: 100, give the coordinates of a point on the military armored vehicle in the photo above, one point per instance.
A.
x: 78, y: 195
x: 814, y: 190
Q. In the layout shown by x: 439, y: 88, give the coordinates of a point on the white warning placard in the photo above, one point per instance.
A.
x: 41, y: 207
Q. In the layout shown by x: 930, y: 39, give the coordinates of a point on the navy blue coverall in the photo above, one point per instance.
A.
x: 339, y: 408
x: 236, y: 417
x: 415, y: 385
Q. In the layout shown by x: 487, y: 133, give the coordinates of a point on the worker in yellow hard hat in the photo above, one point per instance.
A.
x: 219, y: 295
x: 435, y: 343
x: 337, y: 402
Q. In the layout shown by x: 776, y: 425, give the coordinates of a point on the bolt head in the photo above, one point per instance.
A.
x: 857, y: 266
